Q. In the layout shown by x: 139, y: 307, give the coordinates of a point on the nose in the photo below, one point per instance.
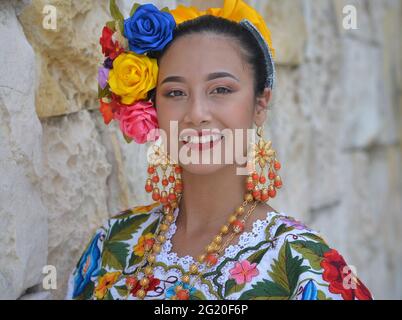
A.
x: 198, y: 112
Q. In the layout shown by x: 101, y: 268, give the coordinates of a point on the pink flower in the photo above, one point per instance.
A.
x: 137, y: 120
x: 290, y: 222
x: 244, y: 271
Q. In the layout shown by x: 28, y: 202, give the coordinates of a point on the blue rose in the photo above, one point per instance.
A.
x: 149, y: 29
x: 310, y: 291
x: 89, y: 265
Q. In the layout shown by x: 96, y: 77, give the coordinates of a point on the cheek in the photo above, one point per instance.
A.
x: 236, y: 116
x: 239, y: 116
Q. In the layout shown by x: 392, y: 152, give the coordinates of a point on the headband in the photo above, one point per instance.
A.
x: 269, y: 62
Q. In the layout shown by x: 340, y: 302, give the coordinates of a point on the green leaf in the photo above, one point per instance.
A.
x: 268, y: 235
x: 122, y: 290
x: 120, y: 23
x: 111, y: 25
x: 105, y: 92
x: 321, y: 295
x: 283, y: 228
x: 287, y: 269
x: 318, y: 248
x: 278, y: 267
x: 152, y: 227
x: 165, y: 9
x: 115, y: 11
x: 114, y: 255
x: 124, y: 229
x: 117, y: 15
x: 134, y: 259
x: 108, y: 296
x: 257, y: 256
x: 134, y: 8
x: 309, y: 253
x: 102, y: 272
x: 198, y: 295
x: 128, y: 139
x: 313, y: 237
x: 232, y: 287
x: 265, y: 290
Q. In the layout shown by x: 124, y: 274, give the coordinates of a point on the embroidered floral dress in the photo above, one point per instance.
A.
x: 279, y: 259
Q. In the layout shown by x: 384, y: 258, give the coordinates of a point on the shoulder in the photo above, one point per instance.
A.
x: 302, y: 265
x: 108, y: 250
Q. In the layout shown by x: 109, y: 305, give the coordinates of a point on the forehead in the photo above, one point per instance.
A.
x: 197, y: 54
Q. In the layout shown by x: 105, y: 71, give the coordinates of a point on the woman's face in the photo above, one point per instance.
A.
x: 203, y: 83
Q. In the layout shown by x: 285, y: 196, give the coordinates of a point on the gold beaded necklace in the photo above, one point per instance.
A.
x: 209, y: 258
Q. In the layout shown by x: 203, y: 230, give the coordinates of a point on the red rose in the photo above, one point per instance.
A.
x: 110, y: 48
x: 335, y: 272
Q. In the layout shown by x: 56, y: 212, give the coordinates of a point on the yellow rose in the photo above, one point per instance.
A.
x: 133, y: 76
x: 234, y: 10
x: 237, y: 10
x: 182, y: 13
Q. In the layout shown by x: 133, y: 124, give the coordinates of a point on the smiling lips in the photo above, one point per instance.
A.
x: 202, y: 141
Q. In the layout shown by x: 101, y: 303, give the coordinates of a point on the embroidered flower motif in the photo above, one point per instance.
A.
x: 290, y: 222
x: 133, y: 76
x: 341, y: 279
x: 88, y: 266
x: 131, y: 282
x: 149, y: 29
x: 138, y: 121
x: 145, y: 242
x: 105, y: 283
x: 171, y: 291
x: 243, y: 271
x: 133, y: 285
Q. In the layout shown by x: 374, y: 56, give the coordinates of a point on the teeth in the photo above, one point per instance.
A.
x: 202, y: 139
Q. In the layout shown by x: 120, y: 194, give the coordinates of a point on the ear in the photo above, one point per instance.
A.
x: 261, y: 108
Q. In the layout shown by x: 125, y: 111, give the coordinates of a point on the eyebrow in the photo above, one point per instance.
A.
x: 211, y: 76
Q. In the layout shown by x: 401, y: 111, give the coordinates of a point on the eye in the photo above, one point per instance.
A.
x: 169, y: 94
x: 226, y: 90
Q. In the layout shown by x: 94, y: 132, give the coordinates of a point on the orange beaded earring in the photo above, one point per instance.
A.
x: 262, y: 186
x: 172, y: 186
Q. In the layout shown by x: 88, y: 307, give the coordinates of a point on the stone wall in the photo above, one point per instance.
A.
x: 336, y: 123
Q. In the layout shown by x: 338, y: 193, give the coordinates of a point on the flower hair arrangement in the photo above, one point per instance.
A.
x: 128, y: 75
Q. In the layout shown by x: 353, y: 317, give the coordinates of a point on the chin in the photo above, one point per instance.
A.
x: 202, y: 169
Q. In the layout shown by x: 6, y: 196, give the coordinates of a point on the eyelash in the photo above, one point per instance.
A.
x: 228, y: 91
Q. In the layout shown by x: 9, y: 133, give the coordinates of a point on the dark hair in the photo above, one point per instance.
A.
x: 249, y: 47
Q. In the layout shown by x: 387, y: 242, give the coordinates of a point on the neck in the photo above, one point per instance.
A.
x: 208, y: 200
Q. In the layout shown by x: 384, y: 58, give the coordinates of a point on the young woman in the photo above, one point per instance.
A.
x: 197, y: 78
